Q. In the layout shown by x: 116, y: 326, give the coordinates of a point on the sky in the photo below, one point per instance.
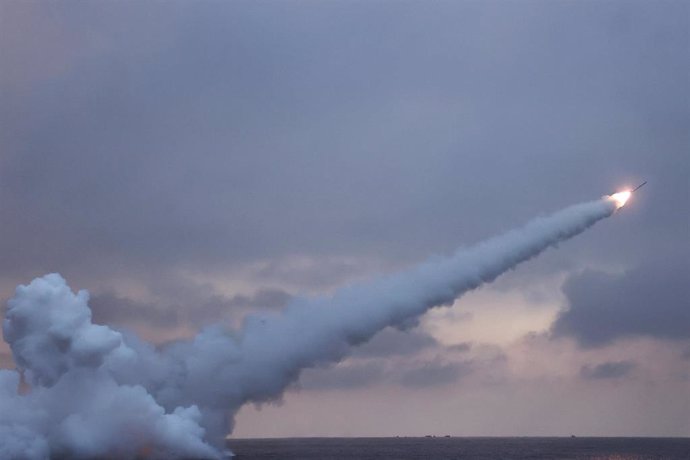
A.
x: 192, y: 163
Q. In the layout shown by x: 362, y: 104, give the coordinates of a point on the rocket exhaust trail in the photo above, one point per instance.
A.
x: 319, y: 330
x: 91, y: 384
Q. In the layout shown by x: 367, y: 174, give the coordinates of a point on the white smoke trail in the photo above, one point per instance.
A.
x: 95, y: 392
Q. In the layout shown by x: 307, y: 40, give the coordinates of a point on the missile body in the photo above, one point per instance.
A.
x: 631, y: 191
x: 621, y: 198
x: 638, y: 187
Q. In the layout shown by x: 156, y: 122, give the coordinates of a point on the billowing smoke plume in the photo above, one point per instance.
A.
x: 91, y: 391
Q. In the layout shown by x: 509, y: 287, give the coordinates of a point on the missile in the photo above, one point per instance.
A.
x: 631, y: 191
x: 620, y: 198
x: 638, y: 187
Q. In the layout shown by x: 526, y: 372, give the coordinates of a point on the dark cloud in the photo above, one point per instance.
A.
x: 607, y: 370
x: 462, y: 347
x: 263, y: 298
x: 342, y: 377
x: 316, y: 273
x: 110, y: 308
x: 434, y: 374
x: 366, y: 373
x: 651, y: 300
x: 392, y: 342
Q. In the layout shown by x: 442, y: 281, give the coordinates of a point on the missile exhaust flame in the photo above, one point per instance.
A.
x: 621, y: 198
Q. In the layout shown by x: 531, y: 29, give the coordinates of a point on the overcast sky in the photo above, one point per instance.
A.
x: 192, y: 162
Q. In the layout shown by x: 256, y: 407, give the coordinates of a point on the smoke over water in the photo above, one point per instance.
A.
x: 92, y: 392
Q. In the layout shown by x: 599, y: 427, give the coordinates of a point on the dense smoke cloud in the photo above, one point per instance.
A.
x: 81, y: 402
x: 95, y: 391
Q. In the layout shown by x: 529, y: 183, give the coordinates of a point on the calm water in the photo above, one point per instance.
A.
x: 461, y: 448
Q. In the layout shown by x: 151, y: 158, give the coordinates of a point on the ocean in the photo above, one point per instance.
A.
x: 452, y: 448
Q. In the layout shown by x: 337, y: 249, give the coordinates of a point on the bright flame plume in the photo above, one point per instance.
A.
x: 621, y: 198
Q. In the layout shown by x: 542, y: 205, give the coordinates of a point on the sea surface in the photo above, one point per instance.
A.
x: 451, y: 448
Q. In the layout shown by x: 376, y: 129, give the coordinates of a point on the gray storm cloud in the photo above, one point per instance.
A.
x: 92, y: 391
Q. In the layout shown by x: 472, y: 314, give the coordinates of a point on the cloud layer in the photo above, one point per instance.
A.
x: 650, y: 301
